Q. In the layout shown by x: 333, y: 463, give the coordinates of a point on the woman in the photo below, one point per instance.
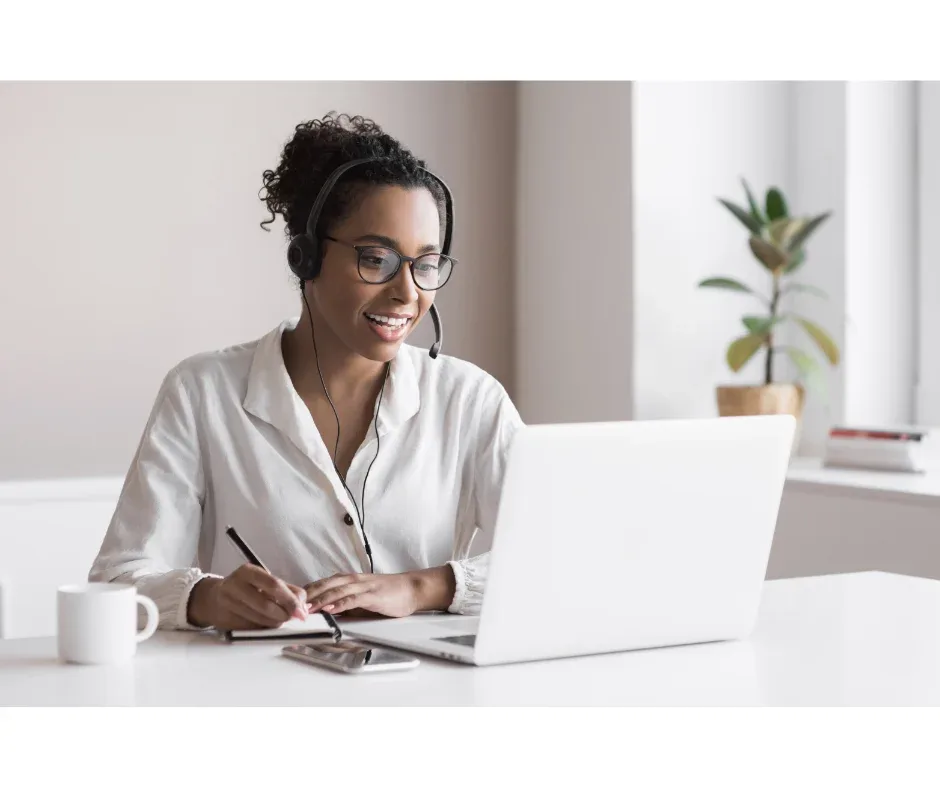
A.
x: 328, y: 444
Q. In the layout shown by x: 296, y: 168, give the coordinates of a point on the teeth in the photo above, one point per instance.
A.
x: 392, y: 322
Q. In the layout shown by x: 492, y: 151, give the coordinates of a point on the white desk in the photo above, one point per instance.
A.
x: 861, y: 639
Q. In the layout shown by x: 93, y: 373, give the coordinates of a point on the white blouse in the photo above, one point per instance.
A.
x: 230, y: 442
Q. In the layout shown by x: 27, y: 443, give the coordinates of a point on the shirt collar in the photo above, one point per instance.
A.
x: 271, y: 395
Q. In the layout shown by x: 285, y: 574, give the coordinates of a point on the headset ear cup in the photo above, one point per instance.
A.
x: 303, y: 257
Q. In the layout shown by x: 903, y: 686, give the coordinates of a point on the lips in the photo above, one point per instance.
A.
x: 388, y: 327
x: 389, y: 319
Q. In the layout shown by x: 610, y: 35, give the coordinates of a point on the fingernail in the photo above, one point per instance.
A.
x: 328, y: 608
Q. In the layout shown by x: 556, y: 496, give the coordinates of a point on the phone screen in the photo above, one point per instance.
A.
x: 352, y: 655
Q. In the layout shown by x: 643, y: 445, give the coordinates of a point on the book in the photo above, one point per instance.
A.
x: 316, y: 626
x: 869, y: 433
x: 899, y: 449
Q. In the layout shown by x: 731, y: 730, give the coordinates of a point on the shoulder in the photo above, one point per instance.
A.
x: 452, y: 379
x: 213, y: 372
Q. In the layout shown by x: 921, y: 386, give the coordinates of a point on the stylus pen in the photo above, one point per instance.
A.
x: 253, y: 559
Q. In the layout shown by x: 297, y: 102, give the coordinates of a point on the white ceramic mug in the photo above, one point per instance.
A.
x: 97, y: 622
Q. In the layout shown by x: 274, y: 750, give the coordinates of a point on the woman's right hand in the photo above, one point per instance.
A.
x: 249, y: 598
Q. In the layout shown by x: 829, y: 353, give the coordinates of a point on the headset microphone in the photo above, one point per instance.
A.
x: 438, y: 331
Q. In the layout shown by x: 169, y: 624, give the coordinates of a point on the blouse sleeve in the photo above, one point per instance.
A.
x: 153, y: 536
x: 499, y: 422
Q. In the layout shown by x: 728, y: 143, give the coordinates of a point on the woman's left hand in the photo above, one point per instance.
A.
x: 387, y: 595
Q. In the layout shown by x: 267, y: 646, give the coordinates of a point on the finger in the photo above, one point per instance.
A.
x: 235, y: 621
x: 331, y: 593
x: 301, y: 597
x: 271, y: 586
x: 361, y: 600
x: 234, y: 610
x: 256, y: 606
x: 315, y: 589
x: 335, y: 594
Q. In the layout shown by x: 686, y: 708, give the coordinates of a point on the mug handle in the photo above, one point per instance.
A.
x: 153, y: 617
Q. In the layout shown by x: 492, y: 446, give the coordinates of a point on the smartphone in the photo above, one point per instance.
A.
x: 350, y: 656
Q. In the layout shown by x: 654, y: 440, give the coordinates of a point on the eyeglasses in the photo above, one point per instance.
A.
x: 379, y: 264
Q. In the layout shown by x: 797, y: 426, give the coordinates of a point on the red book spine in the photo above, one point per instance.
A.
x: 840, y: 432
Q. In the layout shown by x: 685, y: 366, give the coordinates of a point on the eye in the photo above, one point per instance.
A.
x: 376, y: 257
x: 427, y: 264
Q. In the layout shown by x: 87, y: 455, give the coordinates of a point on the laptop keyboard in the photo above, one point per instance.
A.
x: 460, y: 640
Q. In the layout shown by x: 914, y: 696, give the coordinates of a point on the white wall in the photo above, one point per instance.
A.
x: 855, y: 154
x: 818, y: 167
x: 129, y: 239
x: 692, y: 142
x: 881, y: 212
x: 928, y: 346
x: 848, y: 148
x: 574, y: 247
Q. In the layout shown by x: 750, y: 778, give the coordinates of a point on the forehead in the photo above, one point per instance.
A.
x: 409, y: 215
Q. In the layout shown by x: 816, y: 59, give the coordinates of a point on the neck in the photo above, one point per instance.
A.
x: 346, y: 374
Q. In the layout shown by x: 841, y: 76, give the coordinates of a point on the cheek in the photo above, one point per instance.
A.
x: 343, y: 299
x: 425, y: 300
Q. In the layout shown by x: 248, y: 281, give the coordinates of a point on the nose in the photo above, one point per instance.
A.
x: 403, y: 287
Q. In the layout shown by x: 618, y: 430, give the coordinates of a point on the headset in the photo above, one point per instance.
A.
x: 305, y: 251
x: 305, y: 258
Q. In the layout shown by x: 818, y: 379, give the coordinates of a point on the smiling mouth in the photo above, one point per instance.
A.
x: 385, y: 320
x: 388, y: 329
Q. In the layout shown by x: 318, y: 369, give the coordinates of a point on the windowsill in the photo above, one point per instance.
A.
x: 807, y: 474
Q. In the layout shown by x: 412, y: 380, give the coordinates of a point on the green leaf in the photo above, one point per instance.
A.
x: 776, y: 231
x: 821, y: 338
x: 776, y: 205
x: 760, y: 324
x: 809, y: 369
x: 800, y: 287
x: 755, y: 210
x: 797, y: 259
x: 771, y: 257
x: 800, y: 236
x: 725, y: 284
x: 743, y: 216
x: 741, y: 350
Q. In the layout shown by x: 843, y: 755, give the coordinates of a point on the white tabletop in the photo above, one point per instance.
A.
x: 860, y: 639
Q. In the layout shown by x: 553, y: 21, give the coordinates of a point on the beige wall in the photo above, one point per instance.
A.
x: 574, y: 247
x: 129, y: 239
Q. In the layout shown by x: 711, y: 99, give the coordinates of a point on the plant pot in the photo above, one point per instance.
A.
x: 774, y: 398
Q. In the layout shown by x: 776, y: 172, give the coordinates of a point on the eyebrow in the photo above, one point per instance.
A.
x: 384, y: 240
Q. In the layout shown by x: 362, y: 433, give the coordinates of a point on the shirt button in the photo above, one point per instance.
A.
x: 348, y: 519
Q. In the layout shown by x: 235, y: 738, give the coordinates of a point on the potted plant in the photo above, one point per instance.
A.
x: 777, y: 241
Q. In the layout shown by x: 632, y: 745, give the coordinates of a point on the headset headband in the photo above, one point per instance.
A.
x: 314, y: 217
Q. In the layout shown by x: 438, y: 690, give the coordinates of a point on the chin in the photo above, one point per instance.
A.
x: 380, y: 353
x: 379, y: 344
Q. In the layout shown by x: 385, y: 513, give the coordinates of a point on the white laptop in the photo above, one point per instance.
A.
x: 619, y: 536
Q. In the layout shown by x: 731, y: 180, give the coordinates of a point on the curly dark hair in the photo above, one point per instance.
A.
x: 317, y: 148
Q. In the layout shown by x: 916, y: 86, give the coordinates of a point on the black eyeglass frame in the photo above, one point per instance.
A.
x: 402, y: 258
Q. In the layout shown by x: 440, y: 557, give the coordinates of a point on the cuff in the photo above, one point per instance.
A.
x: 178, y: 601
x: 470, y: 580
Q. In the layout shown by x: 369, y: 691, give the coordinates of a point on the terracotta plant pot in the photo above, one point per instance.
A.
x: 761, y: 400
